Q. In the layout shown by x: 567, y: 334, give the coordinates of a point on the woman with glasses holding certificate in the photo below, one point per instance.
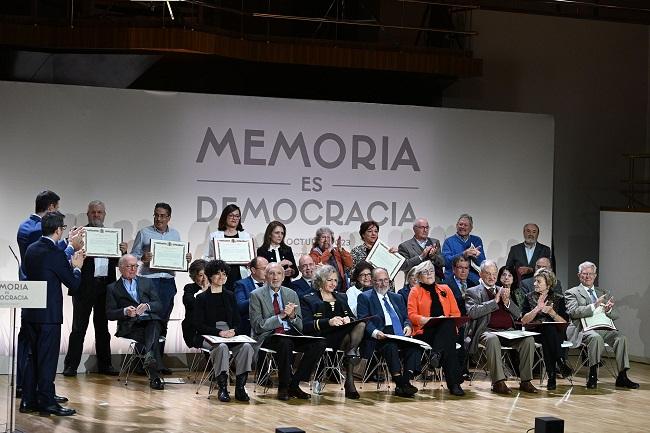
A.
x: 216, y: 314
x: 325, y: 313
x: 229, y: 227
x: 427, y: 302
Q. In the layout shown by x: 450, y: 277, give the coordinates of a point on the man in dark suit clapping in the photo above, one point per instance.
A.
x: 133, y: 302
x: 45, y: 261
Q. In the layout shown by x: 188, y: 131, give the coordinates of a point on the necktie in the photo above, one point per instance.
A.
x: 276, y: 309
x: 593, y: 295
x: 463, y: 286
x: 397, y: 325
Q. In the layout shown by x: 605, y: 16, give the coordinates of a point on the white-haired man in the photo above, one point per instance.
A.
x: 583, y: 301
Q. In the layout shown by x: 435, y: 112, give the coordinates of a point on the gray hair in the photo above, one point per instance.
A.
x: 410, y: 274
x: 487, y: 263
x: 422, y: 267
x: 321, y: 275
x: 96, y: 203
x: 583, y: 265
x: 374, y: 271
x: 468, y: 217
x: 321, y: 231
x: 122, y: 259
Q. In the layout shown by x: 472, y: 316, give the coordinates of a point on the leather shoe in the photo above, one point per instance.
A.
x: 57, y: 410
x: 500, y: 387
x: 592, y: 382
x: 400, y: 391
x: 69, y: 372
x: 283, y: 394
x: 108, y: 371
x: 352, y: 393
x: 622, y: 381
x: 456, y: 390
x: 551, y: 384
x: 298, y: 393
x: 528, y: 387
x: 157, y: 383
x: 565, y: 370
x: 26, y: 408
x: 409, y: 388
x: 60, y: 399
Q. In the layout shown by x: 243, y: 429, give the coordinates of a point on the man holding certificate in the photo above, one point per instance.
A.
x: 588, y: 301
x: 162, y: 278
x: 98, y: 271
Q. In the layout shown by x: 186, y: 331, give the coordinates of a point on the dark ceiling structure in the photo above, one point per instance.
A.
x: 367, y: 50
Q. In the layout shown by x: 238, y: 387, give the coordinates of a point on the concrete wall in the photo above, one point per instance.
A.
x: 593, y: 77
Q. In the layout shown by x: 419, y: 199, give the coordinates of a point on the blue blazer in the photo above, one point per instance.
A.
x: 451, y: 282
x: 368, y: 305
x: 45, y: 261
x: 301, y: 287
x: 243, y: 289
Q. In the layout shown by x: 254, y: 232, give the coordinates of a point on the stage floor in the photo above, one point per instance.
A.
x: 105, y: 405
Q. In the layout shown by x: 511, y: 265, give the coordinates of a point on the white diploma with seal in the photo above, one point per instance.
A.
x: 381, y: 257
x: 409, y: 340
x: 233, y: 250
x: 169, y: 255
x: 102, y: 241
x: 237, y: 339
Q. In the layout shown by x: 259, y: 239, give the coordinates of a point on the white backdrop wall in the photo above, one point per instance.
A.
x: 131, y: 149
x: 623, y: 271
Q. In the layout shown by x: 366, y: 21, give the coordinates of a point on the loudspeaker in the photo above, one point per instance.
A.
x: 549, y: 424
x: 288, y: 430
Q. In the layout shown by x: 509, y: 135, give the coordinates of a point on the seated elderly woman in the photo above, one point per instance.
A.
x: 409, y: 282
x: 361, y: 280
x: 215, y: 313
x: 326, y: 313
x: 428, y: 301
x: 545, y: 305
x: 326, y: 253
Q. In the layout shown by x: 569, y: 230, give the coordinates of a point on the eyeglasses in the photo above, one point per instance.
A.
x: 587, y: 274
x: 131, y: 266
x: 63, y: 227
x: 160, y: 216
x: 382, y: 280
x: 427, y: 272
x: 422, y: 227
x: 364, y: 275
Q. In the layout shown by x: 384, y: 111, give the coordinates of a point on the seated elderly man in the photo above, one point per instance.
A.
x: 275, y: 309
x: 135, y: 304
x: 583, y: 301
x: 491, y: 309
x: 390, y: 317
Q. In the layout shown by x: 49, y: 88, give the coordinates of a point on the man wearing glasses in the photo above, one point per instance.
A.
x: 162, y: 280
x: 245, y: 286
x: 583, y: 301
x: 390, y: 318
x: 420, y: 248
x: 45, y: 261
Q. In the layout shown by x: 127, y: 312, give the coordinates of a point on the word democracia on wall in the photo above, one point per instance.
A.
x: 362, y: 151
x: 311, y: 212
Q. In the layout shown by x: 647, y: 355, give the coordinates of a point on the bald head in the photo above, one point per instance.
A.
x: 421, y: 229
x: 543, y: 262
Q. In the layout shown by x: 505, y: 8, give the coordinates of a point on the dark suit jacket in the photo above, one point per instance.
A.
x: 88, y: 275
x: 311, y: 312
x: 45, y: 261
x: 368, y: 305
x: 517, y: 255
x: 285, y: 253
x: 458, y: 294
x: 243, y: 289
x: 205, y: 319
x: 302, y: 287
x: 190, y: 336
x: 117, y: 299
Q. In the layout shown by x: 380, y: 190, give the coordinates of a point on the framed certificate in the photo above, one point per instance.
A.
x: 102, y: 242
x: 169, y: 255
x: 234, y: 251
x: 381, y: 257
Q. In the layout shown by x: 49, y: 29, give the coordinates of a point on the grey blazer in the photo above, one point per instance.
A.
x: 578, y: 305
x: 480, y: 308
x: 411, y: 250
x: 262, y: 316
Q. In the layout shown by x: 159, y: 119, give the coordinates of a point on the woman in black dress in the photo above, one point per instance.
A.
x: 326, y: 313
x: 190, y: 292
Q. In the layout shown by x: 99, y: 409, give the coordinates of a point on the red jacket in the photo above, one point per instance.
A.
x: 419, y: 305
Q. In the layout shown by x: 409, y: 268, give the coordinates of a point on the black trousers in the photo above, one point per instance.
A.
x: 551, y: 339
x: 442, y: 338
x: 147, y: 333
x: 43, y: 341
x: 411, y: 354
x: 93, y: 300
x: 312, y: 350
